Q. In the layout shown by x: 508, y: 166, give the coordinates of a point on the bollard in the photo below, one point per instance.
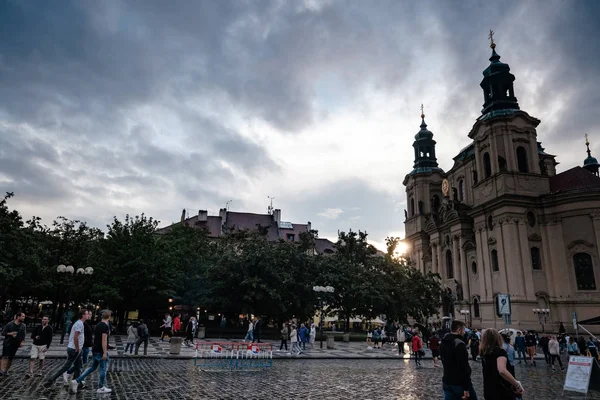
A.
x: 175, y: 347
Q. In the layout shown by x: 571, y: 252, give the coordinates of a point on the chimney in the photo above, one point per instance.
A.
x: 183, y: 215
x: 223, y: 215
x: 277, y: 215
x: 202, y: 215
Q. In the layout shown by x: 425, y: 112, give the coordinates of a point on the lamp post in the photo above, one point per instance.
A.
x: 543, y: 314
x: 318, y: 290
x: 62, y: 269
x: 465, y: 313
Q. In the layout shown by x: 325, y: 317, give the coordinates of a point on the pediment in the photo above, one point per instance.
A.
x: 578, y: 242
x: 469, y: 245
x: 535, y: 238
x: 491, y: 241
x: 430, y: 224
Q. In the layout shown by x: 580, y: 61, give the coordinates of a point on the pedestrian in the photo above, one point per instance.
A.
x: 250, y: 333
x: 284, y: 337
x: 401, y: 338
x: 544, y: 345
x: 498, y: 383
x: 177, y: 325
x: 474, y: 346
x: 313, y: 335
x: 74, y: 348
x: 294, y: 341
x: 520, y: 347
x: 417, y: 348
x: 382, y: 336
x: 304, y: 335
x: 14, y: 337
x: 257, y: 330
x: 166, y: 327
x: 99, y: 355
x: 554, y: 351
x: 132, y: 338
x: 455, y: 360
x: 143, y: 336
x: 87, y: 345
x: 510, y: 354
x: 572, y: 348
x: 582, y: 345
x: 376, y: 338
x: 530, y: 344
x: 591, y: 345
x: 189, y: 332
x: 434, y: 345
x: 42, y: 338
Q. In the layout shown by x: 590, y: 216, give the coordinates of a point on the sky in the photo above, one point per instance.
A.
x: 127, y: 107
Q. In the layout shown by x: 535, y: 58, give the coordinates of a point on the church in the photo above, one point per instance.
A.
x: 502, y: 222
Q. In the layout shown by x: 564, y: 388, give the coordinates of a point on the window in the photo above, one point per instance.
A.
x: 487, y: 165
x: 494, y: 256
x: 461, y: 190
x: 584, y: 271
x: 502, y: 164
x: 449, y: 268
x: 474, y: 267
x: 291, y: 237
x: 412, y: 207
x: 476, y: 313
x: 522, y: 159
x: 536, y: 261
x: 531, y: 219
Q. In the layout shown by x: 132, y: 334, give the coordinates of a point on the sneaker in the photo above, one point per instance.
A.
x: 39, y: 374
x: 73, y: 386
x: 66, y: 378
x: 103, y: 389
x: 29, y: 375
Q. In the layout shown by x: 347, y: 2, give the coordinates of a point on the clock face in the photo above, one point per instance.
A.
x: 445, y: 187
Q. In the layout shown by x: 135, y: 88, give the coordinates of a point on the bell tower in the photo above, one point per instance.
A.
x: 590, y: 163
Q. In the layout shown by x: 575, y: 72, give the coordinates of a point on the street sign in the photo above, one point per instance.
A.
x: 574, y: 315
x: 503, y: 304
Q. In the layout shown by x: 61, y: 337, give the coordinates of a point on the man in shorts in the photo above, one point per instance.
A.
x: 14, y: 337
x: 42, y: 338
x: 530, y: 344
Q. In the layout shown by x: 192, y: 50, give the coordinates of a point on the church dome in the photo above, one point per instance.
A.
x: 590, y: 161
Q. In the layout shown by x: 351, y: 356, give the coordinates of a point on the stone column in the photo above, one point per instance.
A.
x: 532, y: 155
x: 501, y: 250
x: 493, y: 152
x: 563, y: 275
x: 434, y: 258
x: 525, y: 252
x: 547, y: 261
x: 485, y: 251
x: 464, y: 273
x: 441, y: 267
x: 510, y: 151
x: 514, y: 276
x: 596, y: 222
x: 480, y: 262
x: 455, y: 257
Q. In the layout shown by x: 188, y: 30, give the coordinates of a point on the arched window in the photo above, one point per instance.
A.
x: 494, y: 256
x: 412, y: 207
x: 487, y: 165
x: 584, y: 271
x: 522, y: 159
x: 536, y: 261
x: 461, y: 190
x: 449, y: 268
x: 474, y: 268
x: 476, y: 313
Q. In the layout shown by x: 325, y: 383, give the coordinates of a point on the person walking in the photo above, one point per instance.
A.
x: 42, y: 338
x: 520, y: 347
x: 554, y: 352
x: 572, y: 348
x: 591, y: 345
x: 313, y: 335
x: 304, y: 335
x: 434, y: 346
x: 257, y: 330
x: 87, y: 344
x: 74, y: 348
x: 250, y: 333
x: 99, y: 355
x: 284, y: 337
x: 544, y: 340
x: 417, y: 348
x: 166, y: 327
x: 456, y: 381
x: 294, y: 341
x: 474, y: 346
x: 510, y: 354
x: 189, y: 332
x: 498, y: 382
x: 530, y: 344
x: 143, y: 336
x: 400, y: 338
x: 14, y: 337
x: 177, y: 325
x: 376, y: 338
x: 132, y: 338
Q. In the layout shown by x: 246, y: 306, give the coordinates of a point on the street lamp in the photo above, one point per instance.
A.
x: 62, y: 269
x: 465, y: 313
x: 322, y: 289
x: 543, y: 314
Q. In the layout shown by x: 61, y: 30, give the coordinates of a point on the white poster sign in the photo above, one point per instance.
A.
x: 578, y: 374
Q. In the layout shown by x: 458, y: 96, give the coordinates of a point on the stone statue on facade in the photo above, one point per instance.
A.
x: 459, y: 290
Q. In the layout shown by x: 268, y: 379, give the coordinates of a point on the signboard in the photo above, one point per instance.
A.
x: 503, y: 304
x: 578, y: 374
x: 216, y: 349
x: 253, y: 349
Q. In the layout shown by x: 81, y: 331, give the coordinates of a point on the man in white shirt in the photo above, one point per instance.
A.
x: 76, y: 341
x: 166, y: 327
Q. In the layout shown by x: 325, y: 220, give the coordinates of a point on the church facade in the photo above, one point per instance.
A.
x: 502, y: 221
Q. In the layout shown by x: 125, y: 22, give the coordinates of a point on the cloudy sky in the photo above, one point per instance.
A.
x: 111, y: 107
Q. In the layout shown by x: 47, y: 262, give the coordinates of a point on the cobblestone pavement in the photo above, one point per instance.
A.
x: 159, y: 349
x: 302, y: 379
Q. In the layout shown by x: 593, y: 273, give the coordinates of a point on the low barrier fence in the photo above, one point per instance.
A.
x: 233, y: 355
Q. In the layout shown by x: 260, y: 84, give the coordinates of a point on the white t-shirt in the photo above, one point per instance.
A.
x: 250, y: 327
x: 77, y: 327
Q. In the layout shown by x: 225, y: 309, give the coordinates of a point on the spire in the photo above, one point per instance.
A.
x: 590, y: 163
x: 497, y: 84
x: 424, y: 145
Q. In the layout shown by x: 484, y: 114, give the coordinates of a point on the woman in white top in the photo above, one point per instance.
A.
x: 294, y: 341
x: 554, y: 350
x: 313, y: 335
x: 250, y: 334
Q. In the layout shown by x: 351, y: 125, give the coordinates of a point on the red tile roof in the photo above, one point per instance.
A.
x: 575, y: 179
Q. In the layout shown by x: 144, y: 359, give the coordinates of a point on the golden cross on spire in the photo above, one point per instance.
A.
x: 422, y: 113
x: 587, y: 142
x: 491, y: 37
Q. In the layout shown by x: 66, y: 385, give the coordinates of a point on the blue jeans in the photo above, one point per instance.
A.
x: 249, y: 336
x: 522, y: 354
x: 73, y: 359
x: 97, y: 361
x: 85, y: 352
x: 455, y: 392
